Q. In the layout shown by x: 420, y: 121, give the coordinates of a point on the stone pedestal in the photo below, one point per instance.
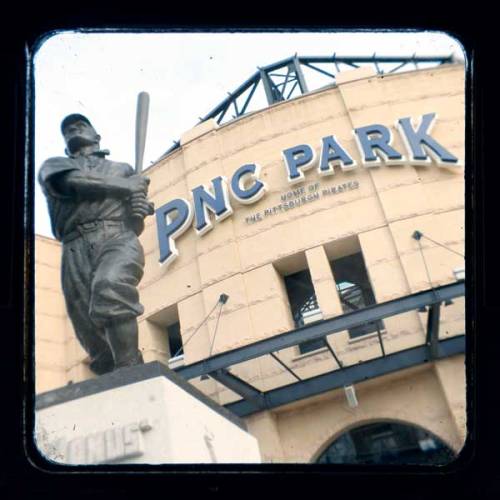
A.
x: 145, y: 415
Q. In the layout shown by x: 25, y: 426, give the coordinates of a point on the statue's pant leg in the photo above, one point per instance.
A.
x: 76, y: 280
x: 114, y: 302
x: 123, y: 338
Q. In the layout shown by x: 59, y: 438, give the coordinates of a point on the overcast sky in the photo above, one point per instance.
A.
x: 186, y: 75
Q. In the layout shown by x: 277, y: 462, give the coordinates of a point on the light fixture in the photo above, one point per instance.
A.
x: 417, y: 235
x: 459, y: 273
x: 350, y: 394
x: 176, y: 361
x: 312, y: 316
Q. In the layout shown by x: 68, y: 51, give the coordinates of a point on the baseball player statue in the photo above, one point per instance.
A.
x: 97, y: 208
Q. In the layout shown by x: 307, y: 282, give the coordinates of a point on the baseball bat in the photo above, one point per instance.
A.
x: 141, y: 125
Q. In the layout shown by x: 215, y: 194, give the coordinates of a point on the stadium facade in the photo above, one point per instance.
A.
x: 299, y: 256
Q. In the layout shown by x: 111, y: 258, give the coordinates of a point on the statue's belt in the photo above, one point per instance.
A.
x: 89, y: 227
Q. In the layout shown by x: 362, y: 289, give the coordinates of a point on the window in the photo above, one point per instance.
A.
x: 354, y: 289
x: 303, y: 305
x: 165, y: 332
x: 175, y: 339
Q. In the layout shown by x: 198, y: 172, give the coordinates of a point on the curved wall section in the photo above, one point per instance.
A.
x: 374, y: 210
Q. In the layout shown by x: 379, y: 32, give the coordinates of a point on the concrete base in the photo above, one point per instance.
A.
x: 146, y: 415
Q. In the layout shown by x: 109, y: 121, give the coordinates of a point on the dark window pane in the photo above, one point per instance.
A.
x: 365, y: 329
x: 301, y: 295
x: 355, y: 291
x: 175, y: 339
x: 303, y: 305
x: 311, y: 345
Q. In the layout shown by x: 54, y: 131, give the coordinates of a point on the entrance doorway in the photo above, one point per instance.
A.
x: 387, y: 443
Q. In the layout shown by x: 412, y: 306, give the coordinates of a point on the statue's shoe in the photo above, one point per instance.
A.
x: 103, y: 363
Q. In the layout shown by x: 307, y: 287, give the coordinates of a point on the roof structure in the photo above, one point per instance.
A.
x: 298, y: 75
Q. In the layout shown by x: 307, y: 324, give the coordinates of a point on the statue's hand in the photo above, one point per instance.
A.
x: 140, y: 206
x: 138, y: 184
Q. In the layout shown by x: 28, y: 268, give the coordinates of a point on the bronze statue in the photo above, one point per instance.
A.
x: 97, y: 208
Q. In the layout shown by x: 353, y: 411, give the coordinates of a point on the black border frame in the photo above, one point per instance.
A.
x: 476, y: 476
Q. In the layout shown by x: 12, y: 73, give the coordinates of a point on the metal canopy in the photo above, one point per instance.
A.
x: 254, y: 400
x: 349, y: 375
x: 286, y: 79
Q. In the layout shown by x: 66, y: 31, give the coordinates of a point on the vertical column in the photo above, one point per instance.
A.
x: 323, y: 281
x: 264, y: 427
x: 196, y: 345
x: 299, y: 75
x: 268, y: 87
x: 153, y: 342
x: 383, y: 265
x: 451, y: 375
x: 389, y: 281
x: 191, y: 314
x: 77, y: 359
x: 326, y: 292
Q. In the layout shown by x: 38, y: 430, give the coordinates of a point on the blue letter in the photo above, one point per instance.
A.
x: 170, y: 228
x: 217, y: 202
x: 333, y: 154
x: 299, y: 157
x: 381, y: 142
x: 416, y: 139
x: 250, y: 194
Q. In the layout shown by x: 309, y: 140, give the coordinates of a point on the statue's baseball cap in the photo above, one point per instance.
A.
x: 75, y: 117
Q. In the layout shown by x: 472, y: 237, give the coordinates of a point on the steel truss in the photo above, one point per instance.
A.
x: 253, y: 400
x: 285, y: 79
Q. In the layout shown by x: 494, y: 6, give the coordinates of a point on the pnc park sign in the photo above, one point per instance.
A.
x: 245, y: 186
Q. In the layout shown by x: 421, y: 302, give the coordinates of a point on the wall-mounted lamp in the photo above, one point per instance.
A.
x: 459, y: 273
x: 350, y: 394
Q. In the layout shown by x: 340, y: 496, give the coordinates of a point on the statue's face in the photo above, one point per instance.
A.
x: 79, y: 134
